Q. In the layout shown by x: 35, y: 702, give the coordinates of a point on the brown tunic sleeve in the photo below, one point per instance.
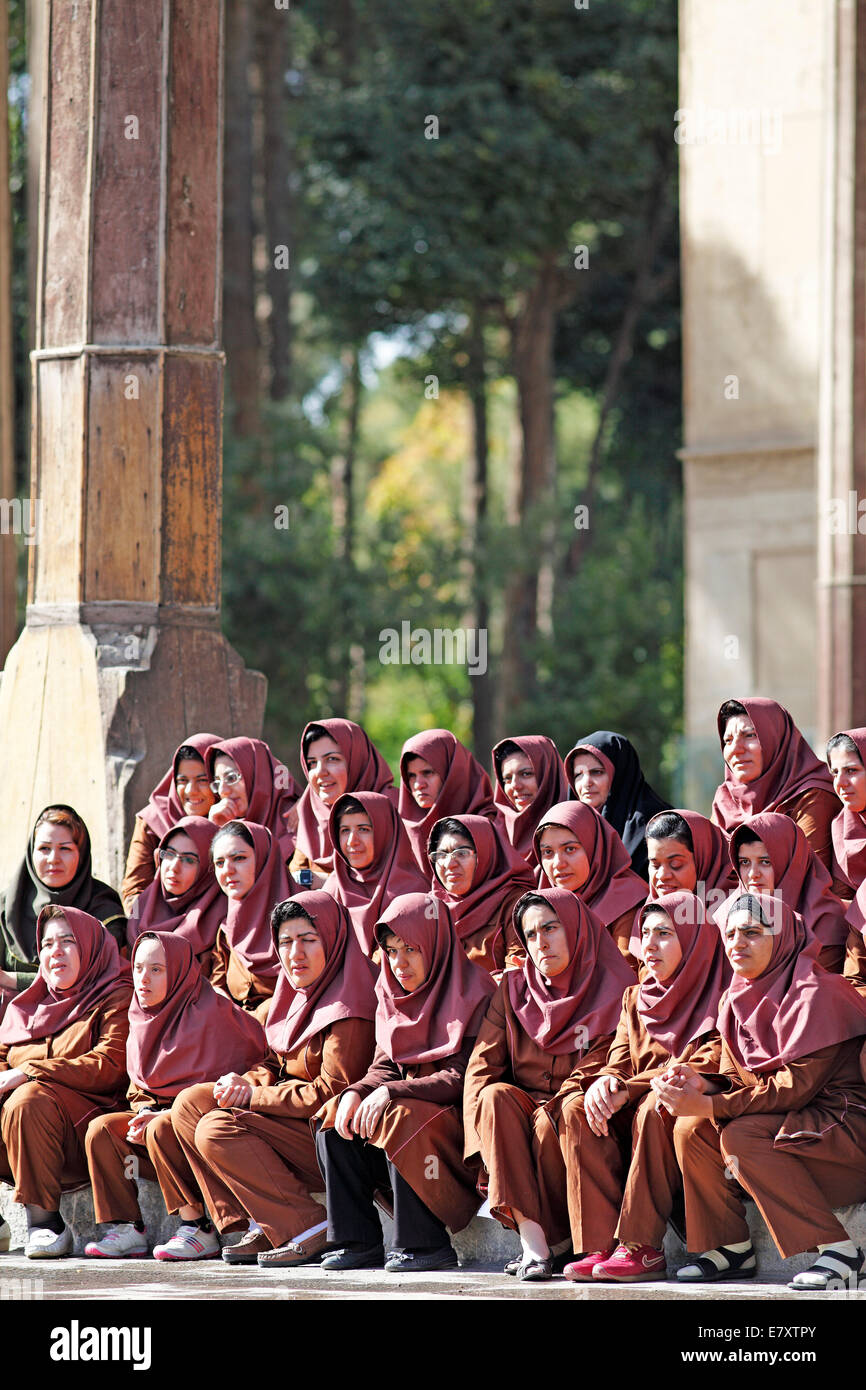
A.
x: 140, y: 868
x: 496, y: 944
x: 621, y: 931
x: 89, y: 1056
x: 438, y: 1083
x: 814, y: 810
x: 144, y: 1100
x: 488, y: 1062
x: 790, y: 1087
x: 324, y: 1067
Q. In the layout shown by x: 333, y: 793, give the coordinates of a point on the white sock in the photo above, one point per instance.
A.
x: 839, y: 1247
x: 254, y: 1227
x: 311, y: 1231
x: 533, y: 1240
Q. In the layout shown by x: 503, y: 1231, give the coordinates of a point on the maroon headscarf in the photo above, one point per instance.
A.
x: 466, y: 789
x: 499, y: 869
x: 41, y: 1012
x: 849, y: 831
x: 248, y: 921
x: 552, y: 788
x: 798, y: 875
x: 710, y: 850
x: 197, y: 914
x: 343, y: 990
x: 368, y: 772
x: 434, y: 1020
x: 271, y: 789
x: 685, y: 1006
x: 795, y: 1008
x: 164, y: 808
x: 194, y: 1035
x: 367, y: 892
x: 612, y: 887
x: 790, y: 767
x: 583, y: 1003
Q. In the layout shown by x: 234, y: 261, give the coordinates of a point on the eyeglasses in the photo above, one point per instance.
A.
x: 441, y: 856
x: 225, y: 779
x: 168, y: 856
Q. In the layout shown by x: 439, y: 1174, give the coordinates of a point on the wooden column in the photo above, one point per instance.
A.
x: 122, y: 653
x: 8, y: 624
x: 842, y: 451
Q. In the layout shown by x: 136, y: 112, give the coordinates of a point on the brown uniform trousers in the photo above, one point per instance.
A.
x: 797, y: 1160
x: 261, y: 1162
x: 113, y: 1176
x: 512, y: 1118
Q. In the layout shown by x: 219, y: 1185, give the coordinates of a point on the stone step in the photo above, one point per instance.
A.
x: 483, y: 1244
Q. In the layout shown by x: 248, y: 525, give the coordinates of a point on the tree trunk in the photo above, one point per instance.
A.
x: 240, y: 333
x: 481, y: 685
x: 343, y: 521
x: 532, y: 363
x: 276, y: 169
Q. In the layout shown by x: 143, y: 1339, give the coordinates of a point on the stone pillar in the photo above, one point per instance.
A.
x: 7, y: 404
x: 842, y: 446
x: 122, y: 653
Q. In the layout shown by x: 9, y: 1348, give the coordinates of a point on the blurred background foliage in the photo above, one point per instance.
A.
x: 451, y: 317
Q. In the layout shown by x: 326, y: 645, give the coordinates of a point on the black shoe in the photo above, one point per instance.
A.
x: 420, y: 1261
x: 355, y: 1257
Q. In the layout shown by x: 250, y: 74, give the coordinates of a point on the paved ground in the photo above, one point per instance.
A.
x: 79, y: 1279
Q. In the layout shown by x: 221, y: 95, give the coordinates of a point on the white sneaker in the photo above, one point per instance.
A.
x: 43, y: 1244
x: 189, y: 1243
x: 5, y: 1235
x: 120, y: 1242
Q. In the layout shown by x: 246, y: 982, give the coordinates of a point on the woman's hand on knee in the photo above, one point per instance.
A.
x: 349, y: 1102
x: 605, y: 1096
x: 233, y: 1092
x: 12, y: 1078
x: 370, y: 1112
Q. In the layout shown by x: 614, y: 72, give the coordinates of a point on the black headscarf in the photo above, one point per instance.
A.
x: 27, y: 895
x: 631, y: 801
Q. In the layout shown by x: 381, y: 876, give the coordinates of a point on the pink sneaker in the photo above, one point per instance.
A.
x: 580, y: 1271
x: 627, y: 1266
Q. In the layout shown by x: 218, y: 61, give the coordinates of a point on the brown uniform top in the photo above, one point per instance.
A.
x: 814, y: 810
x: 497, y: 943
x: 88, y: 1057
x: 814, y: 1093
x: 621, y: 931
x: 503, y: 1051
x: 439, y: 1083
x: 297, y: 1085
x: 140, y: 866
x: 635, y: 1057
x: 229, y: 974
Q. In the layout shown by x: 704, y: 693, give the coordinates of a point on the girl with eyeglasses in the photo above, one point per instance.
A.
x: 185, y: 897
x: 479, y: 877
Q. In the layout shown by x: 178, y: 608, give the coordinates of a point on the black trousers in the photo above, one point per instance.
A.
x: 353, y: 1170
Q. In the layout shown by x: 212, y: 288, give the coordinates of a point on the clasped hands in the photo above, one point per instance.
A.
x: 679, y: 1089
x: 357, y: 1116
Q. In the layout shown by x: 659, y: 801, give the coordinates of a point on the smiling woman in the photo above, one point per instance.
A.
x: 373, y: 861
x: 337, y: 756
x: 56, y: 869
x: 62, y: 1059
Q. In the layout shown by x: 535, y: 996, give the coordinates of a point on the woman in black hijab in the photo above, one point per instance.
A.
x: 604, y: 770
x: 56, y: 869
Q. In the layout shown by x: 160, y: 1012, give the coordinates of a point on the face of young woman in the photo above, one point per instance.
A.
x: 741, y: 749
x: 849, y: 779
x: 546, y: 940
x: 590, y: 781
x: 328, y: 773
x: 563, y: 858
x: 150, y: 974
x: 179, y: 864
x: 193, y: 787
x: 755, y: 867
x: 230, y: 784
x: 519, y: 781
x: 55, y: 855
x: 234, y: 864
x: 748, y: 945
x: 454, y: 863
x: 59, y: 956
x: 356, y: 838
x: 301, y: 951
x: 672, y: 867
x: 407, y: 963
x: 424, y: 782
x: 660, y: 946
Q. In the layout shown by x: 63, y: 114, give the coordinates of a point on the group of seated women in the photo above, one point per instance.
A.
x: 546, y: 996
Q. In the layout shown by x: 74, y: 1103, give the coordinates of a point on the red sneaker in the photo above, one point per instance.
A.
x: 627, y: 1266
x: 580, y: 1271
